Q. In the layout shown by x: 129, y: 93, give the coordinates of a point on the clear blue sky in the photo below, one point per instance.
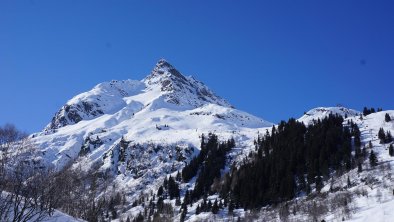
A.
x: 274, y: 59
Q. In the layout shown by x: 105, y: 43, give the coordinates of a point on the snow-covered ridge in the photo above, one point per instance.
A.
x: 104, y: 98
x: 322, y: 112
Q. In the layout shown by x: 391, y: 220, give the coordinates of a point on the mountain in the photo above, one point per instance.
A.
x: 142, y: 130
x: 136, y: 135
x: 163, y: 108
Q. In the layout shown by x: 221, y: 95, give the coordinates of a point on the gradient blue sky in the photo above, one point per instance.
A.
x: 274, y: 59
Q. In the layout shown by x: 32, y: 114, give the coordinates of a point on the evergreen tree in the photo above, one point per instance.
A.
x: 184, y: 213
x: 387, y: 117
x: 178, y: 177
x: 366, y: 111
x: 209, y: 205
x: 160, y: 191
x: 357, y: 136
x: 388, y: 138
x: 215, y: 207
x: 373, y: 160
x: 391, y: 150
x: 372, y: 110
x: 382, y: 135
x: 187, y: 198
x: 173, y: 188
x: 198, y: 210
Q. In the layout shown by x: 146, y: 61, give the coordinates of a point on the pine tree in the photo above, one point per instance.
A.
x: 160, y: 191
x: 366, y: 111
x: 388, y: 138
x: 173, y: 188
x: 372, y: 110
x: 184, y: 212
x: 198, y: 210
x: 382, y: 135
x: 178, y: 177
x: 187, y: 198
x: 220, y: 204
x: 391, y: 150
x: 387, y: 117
x: 209, y: 205
x: 215, y: 207
x: 373, y: 160
x: 357, y: 136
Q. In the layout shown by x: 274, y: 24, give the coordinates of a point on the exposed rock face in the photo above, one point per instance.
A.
x: 72, y: 113
x: 181, y: 90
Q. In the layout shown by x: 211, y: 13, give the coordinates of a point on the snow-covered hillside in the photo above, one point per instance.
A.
x: 322, y: 112
x: 373, y: 187
x: 369, y: 193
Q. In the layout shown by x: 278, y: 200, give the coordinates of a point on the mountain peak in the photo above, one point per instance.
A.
x: 164, y: 69
x: 163, y: 64
x: 179, y: 89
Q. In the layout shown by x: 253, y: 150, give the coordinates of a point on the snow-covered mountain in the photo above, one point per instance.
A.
x: 165, y: 107
x: 141, y: 131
